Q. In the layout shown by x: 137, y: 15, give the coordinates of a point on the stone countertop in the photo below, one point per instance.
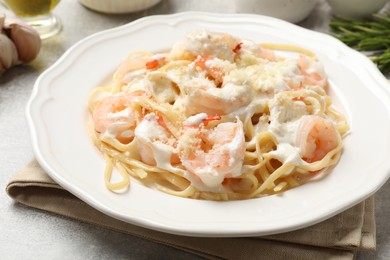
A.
x: 27, y: 233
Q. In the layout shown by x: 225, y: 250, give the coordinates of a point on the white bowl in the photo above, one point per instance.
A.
x: 356, y: 9
x: 290, y: 10
x: 118, y: 6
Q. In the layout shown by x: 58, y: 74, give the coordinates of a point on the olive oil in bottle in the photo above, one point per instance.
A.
x: 31, y: 8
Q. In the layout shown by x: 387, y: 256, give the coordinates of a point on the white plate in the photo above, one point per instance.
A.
x: 57, y: 116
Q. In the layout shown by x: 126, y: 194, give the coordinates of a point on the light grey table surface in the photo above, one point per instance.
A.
x: 26, y: 233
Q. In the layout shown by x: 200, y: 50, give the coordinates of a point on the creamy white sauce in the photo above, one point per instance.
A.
x: 134, y: 76
x: 120, y: 128
x: 195, y: 120
x: 250, y: 86
x: 250, y: 47
x: 316, y: 67
x: 160, y: 86
x: 287, y: 154
x: 125, y: 113
x: 149, y: 137
x: 149, y: 128
x: 206, y: 44
x: 115, y: 129
x: 157, y: 56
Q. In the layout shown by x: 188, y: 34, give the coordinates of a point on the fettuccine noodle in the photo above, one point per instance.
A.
x: 217, y: 118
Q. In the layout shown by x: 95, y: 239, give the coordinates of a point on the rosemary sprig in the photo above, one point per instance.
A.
x: 370, y: 35
x: 383, y: 61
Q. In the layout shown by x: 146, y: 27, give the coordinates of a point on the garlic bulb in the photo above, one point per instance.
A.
x: 8, y: 53
x: 19, y: 42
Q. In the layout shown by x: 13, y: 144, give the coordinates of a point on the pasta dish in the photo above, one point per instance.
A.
x: 217, y: 117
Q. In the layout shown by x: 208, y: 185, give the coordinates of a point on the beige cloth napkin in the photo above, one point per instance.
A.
x: 339, y: 237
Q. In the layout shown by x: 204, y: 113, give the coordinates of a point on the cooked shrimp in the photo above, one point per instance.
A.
x: 156, y: 61
x: 313, y: 71
x: 250, y: 47
x: 117, y: 116
x: 216, y: 101
x: 215, y: 68
x: 212, y: 154
x: 226, y: 92
x: 205, y: 44
x: 136, y: 65
x: 317, y: 136
x: 133, y: 64
x: 155, y: 144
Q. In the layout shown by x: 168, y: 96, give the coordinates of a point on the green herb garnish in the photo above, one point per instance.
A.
x: 371, y: 35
